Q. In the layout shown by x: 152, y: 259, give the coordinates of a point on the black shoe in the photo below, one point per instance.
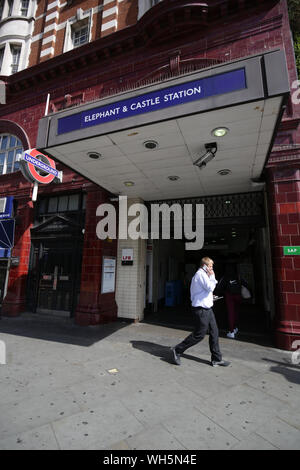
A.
x: 176, y: 357
x: 220, y: 363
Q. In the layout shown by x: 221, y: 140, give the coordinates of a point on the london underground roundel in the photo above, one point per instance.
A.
x: 38, y: 167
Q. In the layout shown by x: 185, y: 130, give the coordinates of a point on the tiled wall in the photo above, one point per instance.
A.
x: 130, y: 290
x: 284, y: 205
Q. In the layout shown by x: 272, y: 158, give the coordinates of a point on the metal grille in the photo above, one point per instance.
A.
x: 225, y: 206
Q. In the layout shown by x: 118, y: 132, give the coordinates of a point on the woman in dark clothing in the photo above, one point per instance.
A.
x: 231, y: 284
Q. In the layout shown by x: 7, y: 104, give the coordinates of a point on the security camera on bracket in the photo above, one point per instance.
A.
x: 211, y: 150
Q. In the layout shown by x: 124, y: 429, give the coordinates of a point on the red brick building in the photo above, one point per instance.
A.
x: 85, y: 56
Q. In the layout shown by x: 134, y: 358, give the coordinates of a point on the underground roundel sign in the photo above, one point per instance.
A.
x: 38, y: 167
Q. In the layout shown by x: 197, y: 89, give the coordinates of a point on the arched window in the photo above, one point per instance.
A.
x: 10, y: 147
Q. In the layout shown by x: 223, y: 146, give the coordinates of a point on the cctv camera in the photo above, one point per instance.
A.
x: 208, y: 156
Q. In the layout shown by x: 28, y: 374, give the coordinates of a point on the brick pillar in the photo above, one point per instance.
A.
x: 284, y: 209
x: 14, y: 302
x: 109, y: 17
x: 49, y: 35
x: 93, y: 307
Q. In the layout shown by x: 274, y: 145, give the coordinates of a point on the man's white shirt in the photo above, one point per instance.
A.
x: 202, y: 287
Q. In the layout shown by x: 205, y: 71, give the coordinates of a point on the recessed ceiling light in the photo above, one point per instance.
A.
x: 173, y: 178
x: 150, y: 144
x: 94, y: 155
x: 220, y: 131
x: 128, y: 183
x: 224, y: 172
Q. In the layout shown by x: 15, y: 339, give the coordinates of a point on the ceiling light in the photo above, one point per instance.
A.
x: 220, y: 131
x: 132, y: 133
x: 128, y: 183
x: 150, y: 144
x: 211, y: 150
x: 173, y: 178
x: 227, y: 202
x: 94, y: 155
x: 224, y: 172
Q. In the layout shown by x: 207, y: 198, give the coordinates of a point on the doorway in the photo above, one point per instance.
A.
x: 57, y: 280
x: 174, y: 267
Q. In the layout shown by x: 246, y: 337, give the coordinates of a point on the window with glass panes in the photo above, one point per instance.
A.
x: 24, y: 7
x: 1, y: 57
x: 62, y: 203
x: 10, y: 7
x: 10, y: 147
x: 1, y: 8
x: 15, y: 57
x: 80, y: 35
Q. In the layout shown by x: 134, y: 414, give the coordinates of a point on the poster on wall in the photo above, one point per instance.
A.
x: 108, y: 274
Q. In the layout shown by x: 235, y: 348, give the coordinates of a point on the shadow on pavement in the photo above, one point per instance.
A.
x: 290, y: 371
x: 164, y: 352
x: 58, y: 330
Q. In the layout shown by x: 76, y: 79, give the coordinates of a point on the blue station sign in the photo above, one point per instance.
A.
x: 164, y: 98
x: 6, y: 207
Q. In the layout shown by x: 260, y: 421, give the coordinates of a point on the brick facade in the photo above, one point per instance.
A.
x: 51, y: 24
x: 94, y: 307
x: 175, y: 36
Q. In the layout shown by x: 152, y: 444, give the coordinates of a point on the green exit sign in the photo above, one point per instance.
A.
x: 291, y: 250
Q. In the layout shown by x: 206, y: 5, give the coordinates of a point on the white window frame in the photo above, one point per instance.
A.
x: 2, y: 52
x: 76, y: 41
x: 145, y: 5
x: 10, y: 8
x: 15, y: 65
x: 2, y: 5
x: 26, y: 7
x: 81, y: 20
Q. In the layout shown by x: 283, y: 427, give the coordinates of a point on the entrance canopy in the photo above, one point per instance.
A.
x: 145, y: 143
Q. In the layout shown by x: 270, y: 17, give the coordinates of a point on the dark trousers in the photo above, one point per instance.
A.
x: 205, y: 322
x: 233, y: 302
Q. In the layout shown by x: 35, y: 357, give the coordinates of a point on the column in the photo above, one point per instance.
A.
x: 284, y: 214
x: 109, y: 17
x: 131, y: 279
x: 93, y: 307
x: 49, y: 36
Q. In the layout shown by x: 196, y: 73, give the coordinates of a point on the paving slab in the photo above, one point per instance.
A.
x: 40, y: 438
x: 280, y: 434
x: 254, y: 442
x: 59, y: 390
x: 97, y: 428
x: 157, y: 437
x: 199, y: 432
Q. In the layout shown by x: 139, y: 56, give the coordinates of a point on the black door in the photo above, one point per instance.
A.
x: 59, y: 277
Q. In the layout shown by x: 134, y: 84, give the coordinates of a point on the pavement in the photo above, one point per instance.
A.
x: 114, y: 387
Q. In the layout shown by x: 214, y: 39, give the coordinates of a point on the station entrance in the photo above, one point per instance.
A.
x: 235, y: 232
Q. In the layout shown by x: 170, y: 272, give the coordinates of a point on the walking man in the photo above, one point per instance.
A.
x: 202, y: 287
